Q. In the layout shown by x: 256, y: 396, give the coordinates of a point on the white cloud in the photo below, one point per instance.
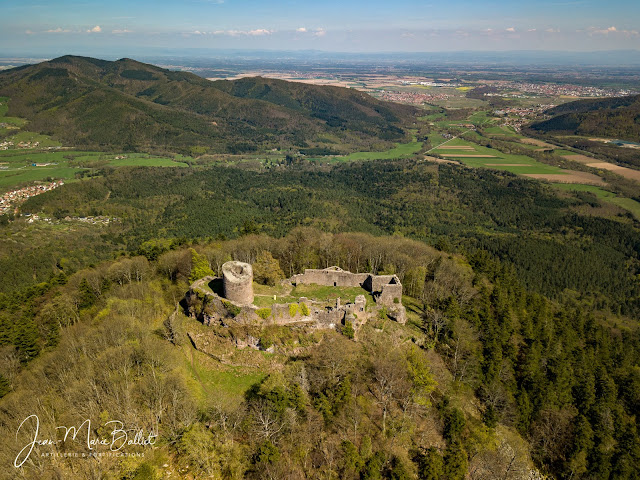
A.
x: 237, y: 33
x: 259, y: 31
x: 301, y: 30
x: 320, y: 32
x: 95, y: 29
x: 29, y: 32
x: 612, y: 31
x: 553, y: 30
x: 511, y: 29
x: 121, y: 31
x: 532, y: 30
x: 57, y: 30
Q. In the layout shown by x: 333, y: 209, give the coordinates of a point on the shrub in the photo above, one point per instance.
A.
x: 293, y: 309
x: 304, y: 309
x: 348, y: 330
x: 231, y: 308
x: 263, y: 313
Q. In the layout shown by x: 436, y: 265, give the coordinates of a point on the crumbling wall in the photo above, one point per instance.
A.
x: 333, y: 276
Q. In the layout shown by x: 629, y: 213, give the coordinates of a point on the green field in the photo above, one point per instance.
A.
x: 502, y: 130
x: 518, y: 164
x: 67, y: 164
x: 400, y: 150
x: 604, y: 195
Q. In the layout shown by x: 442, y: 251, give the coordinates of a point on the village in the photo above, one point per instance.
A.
x: 10, y: 200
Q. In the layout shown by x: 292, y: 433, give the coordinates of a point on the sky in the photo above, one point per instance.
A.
x: 81, y: 26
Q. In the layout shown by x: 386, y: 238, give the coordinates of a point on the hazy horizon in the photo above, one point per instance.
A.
x: 357, y: 26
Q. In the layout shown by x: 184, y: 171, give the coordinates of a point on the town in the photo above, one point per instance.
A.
x: 10, y: 200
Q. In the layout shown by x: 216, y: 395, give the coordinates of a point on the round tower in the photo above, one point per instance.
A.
x: 237, y: 281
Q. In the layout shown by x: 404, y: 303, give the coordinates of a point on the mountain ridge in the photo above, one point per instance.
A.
x: 126, y: 104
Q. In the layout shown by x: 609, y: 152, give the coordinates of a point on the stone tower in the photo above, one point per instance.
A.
x: 237, y: 278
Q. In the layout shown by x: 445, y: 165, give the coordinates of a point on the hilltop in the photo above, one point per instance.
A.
x: 133, y: 106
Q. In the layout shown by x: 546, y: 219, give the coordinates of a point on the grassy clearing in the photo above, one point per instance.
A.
x: 604, y: 195
x: 222, y: 381
x: 502, y: 130
x: 480, y: 118
x: 12, y: 178
x: 401, y: 150
x: 67, y: 163
x: 330, y: 294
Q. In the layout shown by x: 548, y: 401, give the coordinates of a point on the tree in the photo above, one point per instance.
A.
x: 266, y: 269
x: 199, y: 266
x: 430, y: 464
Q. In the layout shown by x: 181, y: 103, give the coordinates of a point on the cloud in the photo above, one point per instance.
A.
x: 301, y: 30
x: 237, y: 33
x: 121, y: 31
x: 511, y: 29
x: 552, y: 30
x: 95, y: 29
x: 259, y: 31
x: 320, y: 32
x: 532, y: 30
x: 57, y: 30
x: 29, y: 32
x: 612, y: 31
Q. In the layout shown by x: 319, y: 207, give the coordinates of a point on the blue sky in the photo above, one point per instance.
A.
x: 331, y: 25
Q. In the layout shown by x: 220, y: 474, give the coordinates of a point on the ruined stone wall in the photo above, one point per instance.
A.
x: 390, y: 293
x: 330, y: 277
x: 237, y: 281
x: 378, y: 281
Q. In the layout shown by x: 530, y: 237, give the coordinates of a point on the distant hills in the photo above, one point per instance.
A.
x: 128, y: 105
x: 610, y: 117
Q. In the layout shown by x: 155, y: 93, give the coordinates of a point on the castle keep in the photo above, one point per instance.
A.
x: 237, y: 282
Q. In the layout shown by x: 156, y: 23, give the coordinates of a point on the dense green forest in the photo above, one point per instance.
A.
x: 486, y: 378
x: 131, y: 106
x: 557, y: 245
x: 611, y: 118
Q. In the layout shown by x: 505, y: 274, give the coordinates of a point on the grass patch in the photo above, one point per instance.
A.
x: 399, y: 151
x: 229, y: 382
x: 627, y: 204
x: 502, y: 130
x: 330, y: 294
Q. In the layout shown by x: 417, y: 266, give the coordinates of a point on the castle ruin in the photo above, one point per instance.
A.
x: 235, y: 305
x: 386, y: 289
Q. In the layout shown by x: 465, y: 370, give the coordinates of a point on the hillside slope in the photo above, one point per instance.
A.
x: 612, y: 118
x: 135, y: 106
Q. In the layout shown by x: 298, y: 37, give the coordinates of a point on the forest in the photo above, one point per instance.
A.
x: 487, y: 380
x: 131, y: 106
x: 558, y: 244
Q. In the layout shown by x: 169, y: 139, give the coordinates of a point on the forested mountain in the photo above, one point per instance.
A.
x: 486, y: 380
x: 129, y: 105
x: 611, y: 118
